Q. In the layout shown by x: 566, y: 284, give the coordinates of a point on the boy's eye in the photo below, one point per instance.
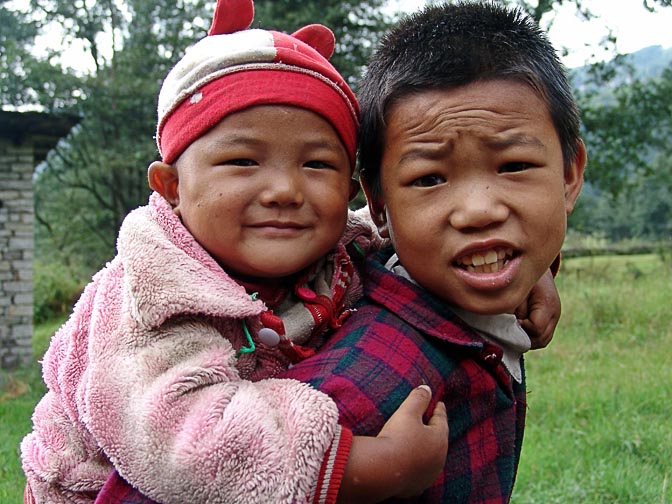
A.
x: 319, y: 165
x: 429, y: 180
x: 240, y: 162
x: 515, y: 167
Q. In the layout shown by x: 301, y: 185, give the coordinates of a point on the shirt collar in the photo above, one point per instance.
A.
x: 502, y: 329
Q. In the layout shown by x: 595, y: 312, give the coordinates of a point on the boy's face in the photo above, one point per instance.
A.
x: 474, y: 194
x: 265, y: 192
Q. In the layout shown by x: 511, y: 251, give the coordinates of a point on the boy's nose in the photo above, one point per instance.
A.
x: 283, y: 188
x: 477, y: 208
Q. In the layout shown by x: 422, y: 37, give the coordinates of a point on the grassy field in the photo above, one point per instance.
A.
x: 19, y: 392
x: 599, y: 425
x: 600, y: 397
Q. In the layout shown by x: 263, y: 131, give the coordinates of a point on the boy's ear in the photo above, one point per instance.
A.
x: 574, y: 177
x: 163, y: 179
x: 377, y: 210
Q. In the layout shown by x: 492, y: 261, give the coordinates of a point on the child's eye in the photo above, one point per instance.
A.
x: 429, y: 180
x: 319, y: 165
x: 515, y: 167
x: 240, y: 162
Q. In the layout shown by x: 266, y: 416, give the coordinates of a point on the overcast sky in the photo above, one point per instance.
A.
x: 634, y: 26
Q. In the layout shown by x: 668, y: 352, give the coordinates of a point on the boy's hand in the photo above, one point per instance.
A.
x: 540, y: 313
x: 404, y: 459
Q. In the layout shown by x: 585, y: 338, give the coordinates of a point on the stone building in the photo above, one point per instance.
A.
x: 25, y: 140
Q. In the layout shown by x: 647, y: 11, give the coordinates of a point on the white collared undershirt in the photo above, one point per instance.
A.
x: 502, y: 329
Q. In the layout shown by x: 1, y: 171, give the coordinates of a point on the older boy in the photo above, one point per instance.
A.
x: 471, y: 160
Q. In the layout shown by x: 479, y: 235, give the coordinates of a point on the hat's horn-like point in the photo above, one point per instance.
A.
x: 232, y: 16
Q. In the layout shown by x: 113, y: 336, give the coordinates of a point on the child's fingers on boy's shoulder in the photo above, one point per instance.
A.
x: 439, y: 416
x: 541, y: 340
x: 438, y: 423
x: 417, y: 401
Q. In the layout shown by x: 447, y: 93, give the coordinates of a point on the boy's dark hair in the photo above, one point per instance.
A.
x: 446, y: 46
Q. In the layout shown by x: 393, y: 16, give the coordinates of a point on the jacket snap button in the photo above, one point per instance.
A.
x: 269, y: 337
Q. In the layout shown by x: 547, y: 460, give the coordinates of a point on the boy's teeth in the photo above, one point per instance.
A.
x: 490, y: 262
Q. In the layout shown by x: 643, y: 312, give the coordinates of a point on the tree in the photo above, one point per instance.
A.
x: 94, y: 178
x: 16, y: 60
x: 627, y: 130
x: 629, y: 137
x: 643, y: 212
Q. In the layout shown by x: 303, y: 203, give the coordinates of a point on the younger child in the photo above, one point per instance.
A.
x: 162, y: 372
x: 471, y: 160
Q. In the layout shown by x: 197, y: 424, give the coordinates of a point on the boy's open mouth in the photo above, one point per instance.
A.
x: 490, y: 261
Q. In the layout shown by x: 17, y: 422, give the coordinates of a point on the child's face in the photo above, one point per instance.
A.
x: 470, y: 176
x: 265, y: 192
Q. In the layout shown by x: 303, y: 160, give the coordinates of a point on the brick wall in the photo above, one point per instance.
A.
x: 16, y: 253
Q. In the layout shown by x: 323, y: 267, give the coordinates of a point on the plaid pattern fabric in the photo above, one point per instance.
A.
x: 401, y: 337
x: 117, y: 491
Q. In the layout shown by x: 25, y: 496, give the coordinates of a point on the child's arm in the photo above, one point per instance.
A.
x: 174, y: 417
x: 540, y: 313
x: 195, y: 428
x: 403, y: 460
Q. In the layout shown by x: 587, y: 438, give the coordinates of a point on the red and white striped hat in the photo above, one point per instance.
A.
x: 235, y: 67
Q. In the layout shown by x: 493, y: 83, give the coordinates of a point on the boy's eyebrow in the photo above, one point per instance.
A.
x: 502, y: 142
x: 427, y: 151
x: 499, y: 143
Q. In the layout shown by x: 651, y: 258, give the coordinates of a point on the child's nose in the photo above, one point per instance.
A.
x: 283, y: 188
x: 477, y: 207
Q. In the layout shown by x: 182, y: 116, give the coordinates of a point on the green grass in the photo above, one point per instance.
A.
x: 19, y: 392
x: 599, y: 427
x: 600, y: 397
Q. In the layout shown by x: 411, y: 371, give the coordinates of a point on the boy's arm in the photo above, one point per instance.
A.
x: 540, y: 313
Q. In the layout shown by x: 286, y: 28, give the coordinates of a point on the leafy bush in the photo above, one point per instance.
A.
x: 56, y: 288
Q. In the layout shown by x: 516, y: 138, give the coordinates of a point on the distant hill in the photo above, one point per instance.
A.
x: 650, y: 61
x: 644, y: 64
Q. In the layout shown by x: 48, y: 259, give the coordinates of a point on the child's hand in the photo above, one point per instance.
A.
x: 540, y: 313
x: 404, y: 459
x: 422, y: 448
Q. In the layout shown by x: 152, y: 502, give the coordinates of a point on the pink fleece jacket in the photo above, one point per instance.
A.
x: 142, y: 379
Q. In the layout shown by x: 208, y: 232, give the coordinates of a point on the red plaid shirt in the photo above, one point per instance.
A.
x: 401, y: 337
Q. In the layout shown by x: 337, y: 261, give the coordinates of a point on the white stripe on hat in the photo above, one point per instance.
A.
x: 204, y: 59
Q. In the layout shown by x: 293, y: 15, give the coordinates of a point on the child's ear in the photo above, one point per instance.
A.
x: 163, y: 179
x: 377, y: 210
x: 574, y: 177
